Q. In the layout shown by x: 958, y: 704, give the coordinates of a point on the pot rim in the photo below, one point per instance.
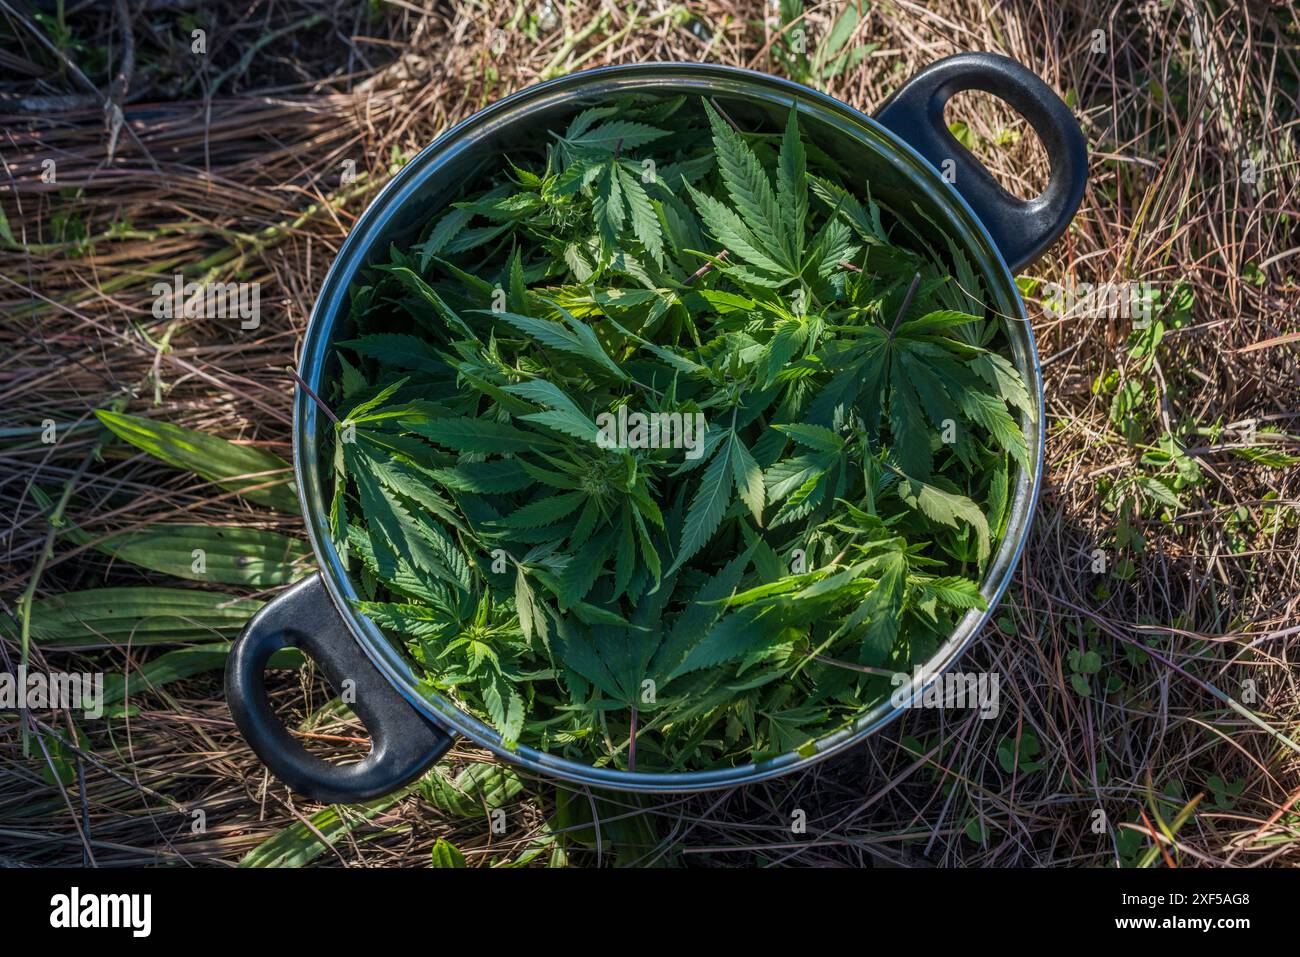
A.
x: 331, y: 303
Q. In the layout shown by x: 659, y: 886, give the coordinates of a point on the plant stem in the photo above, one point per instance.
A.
x: 907, y: 303
x: 704, y: 270
x: 47, y: 551
x: 320, y: 403
x: 631, y: 743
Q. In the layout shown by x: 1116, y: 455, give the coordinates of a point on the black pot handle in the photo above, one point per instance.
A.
x: 404, y: 742
x: 1022, y: 229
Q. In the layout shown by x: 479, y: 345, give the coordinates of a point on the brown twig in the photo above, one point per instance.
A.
x: 705, y: 269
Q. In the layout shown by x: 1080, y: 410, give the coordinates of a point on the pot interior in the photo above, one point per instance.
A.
x: 899, y: 180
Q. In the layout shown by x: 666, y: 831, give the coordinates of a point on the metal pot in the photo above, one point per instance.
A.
x: 900, y: 152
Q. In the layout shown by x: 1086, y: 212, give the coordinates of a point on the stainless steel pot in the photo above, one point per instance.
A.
x: 900, y: 152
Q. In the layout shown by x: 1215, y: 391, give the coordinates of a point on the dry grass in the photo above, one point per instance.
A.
x: 229, y: 166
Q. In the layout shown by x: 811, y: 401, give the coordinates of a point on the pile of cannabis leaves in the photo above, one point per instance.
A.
x: 636, y: 607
